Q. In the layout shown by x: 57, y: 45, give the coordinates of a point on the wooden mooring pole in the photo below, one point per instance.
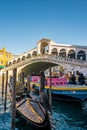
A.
x: 50, y: 97
x: 22, y: 78
x: 28, y: 81
x: 13, y: 99
x: 2, y: 84
x: 6, y: 90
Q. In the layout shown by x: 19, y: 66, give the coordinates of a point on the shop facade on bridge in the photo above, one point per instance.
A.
x: 63, y: 50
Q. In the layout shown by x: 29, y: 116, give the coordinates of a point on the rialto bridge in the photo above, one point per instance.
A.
x: 48, y: 53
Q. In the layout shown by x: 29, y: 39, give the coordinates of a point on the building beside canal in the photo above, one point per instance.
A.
x: 4, y: 57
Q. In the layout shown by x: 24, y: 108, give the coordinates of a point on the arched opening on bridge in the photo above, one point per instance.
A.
x: 44, y: 48
x: 54, y: 51
x: 28, y: 55
x: 34, y: 53
x: 81, y: 55
x: 71, y: 54
x: 18, y: 60
x: 10, y: 63
x: 23, y: 58
x: 62, y: 53
x: 14, y: 61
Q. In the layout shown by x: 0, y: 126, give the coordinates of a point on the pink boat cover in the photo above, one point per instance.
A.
x: 61, y: 81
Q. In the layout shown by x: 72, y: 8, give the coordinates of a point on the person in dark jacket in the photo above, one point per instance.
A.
x: 72, y: 79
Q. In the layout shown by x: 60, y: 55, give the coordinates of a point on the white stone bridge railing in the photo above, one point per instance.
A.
x: 47, y: 58
x: 67, y: 60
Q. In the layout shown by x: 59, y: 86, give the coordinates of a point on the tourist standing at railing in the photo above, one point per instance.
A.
x: 80, y: 78
x: 72, y: 79
x: 86, y: 80
x: 77, y: 77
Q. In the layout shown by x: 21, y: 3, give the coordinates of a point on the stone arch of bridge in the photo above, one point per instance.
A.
x: 38, y: 66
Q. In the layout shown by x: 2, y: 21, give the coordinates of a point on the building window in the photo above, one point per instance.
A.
x: 1, y: 54
x: 1, y: 62
x: 7, y: 56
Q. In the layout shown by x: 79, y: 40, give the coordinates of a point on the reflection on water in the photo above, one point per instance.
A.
x: 67, y: 116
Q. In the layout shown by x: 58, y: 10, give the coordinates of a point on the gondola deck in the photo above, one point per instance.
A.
x: 31, y: 109
x: 33, y: 112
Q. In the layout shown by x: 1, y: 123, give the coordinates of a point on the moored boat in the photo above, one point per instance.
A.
x: 60, y: 90
x: 33, y: 112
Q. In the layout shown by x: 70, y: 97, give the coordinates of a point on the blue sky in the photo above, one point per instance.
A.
x: 24, y: 22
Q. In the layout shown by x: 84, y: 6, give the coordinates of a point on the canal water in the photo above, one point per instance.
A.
x: 67, y: 116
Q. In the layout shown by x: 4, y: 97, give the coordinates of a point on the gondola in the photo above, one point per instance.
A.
x: 36, y: 112
x: 33, y: 112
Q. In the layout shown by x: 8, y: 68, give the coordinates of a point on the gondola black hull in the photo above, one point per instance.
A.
x: 31, y: 111
x: 30, y: 124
